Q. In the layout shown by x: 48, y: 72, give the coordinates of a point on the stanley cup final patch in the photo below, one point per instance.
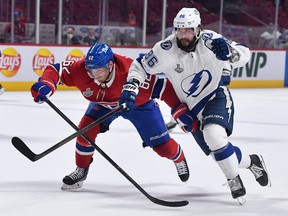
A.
x: 88, y: 92
x: 178, y: 69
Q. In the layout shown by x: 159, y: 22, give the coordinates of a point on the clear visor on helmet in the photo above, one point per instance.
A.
x: 185, y: 32
x: 95, y: 73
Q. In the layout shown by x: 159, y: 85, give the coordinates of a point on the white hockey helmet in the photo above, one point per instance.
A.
x: 187, y: 18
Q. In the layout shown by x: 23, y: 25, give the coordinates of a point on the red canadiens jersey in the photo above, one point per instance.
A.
x: 107, y: 94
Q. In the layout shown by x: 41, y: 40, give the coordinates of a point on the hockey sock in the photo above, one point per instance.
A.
x: 83, y: 155
x: 227, y: 160
x: 170, y: 150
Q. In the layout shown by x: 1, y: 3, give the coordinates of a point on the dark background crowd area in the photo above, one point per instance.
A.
x: 250, y: 21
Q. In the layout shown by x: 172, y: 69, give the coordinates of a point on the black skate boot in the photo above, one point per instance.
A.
x: 75, y: 179
x: 237, y: 189
x: 182, y: 170
x: 259, y: 170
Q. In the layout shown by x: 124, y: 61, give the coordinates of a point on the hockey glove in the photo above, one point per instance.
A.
x: 184, y: 117
x: 42, y: 89
x: 221, y: 49
x: 129, y: 92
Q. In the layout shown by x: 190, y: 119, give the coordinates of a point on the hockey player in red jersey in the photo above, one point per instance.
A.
x: 100, y: 78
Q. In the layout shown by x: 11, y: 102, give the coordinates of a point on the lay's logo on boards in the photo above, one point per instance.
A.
x: 41, y: 59
x: 75, y: 55
x: 10, y: 62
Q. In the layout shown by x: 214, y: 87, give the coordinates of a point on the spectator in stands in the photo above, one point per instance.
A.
x: 267, y: 38
x: 283, y: 32
x: 128, y: 40
x: 151, y: 27
x: 91, y: 37
x: 283, y: 39
x: 19, y: 28
x: 71, y: 37
x: 132, y: 18
x: 168, y: 31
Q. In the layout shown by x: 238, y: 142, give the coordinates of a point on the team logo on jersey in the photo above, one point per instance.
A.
x: 166, y: 45
x: 193, y: 85
x: 178, y: 69
x: 207, y: 36
x: 88, y: 92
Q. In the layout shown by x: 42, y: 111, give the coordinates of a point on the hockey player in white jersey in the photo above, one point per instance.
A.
x: 198, y: 63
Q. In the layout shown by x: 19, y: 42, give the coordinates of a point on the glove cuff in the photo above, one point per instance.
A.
x: 48, y: 82
x: 179, y: 110
x: 135, y: 81
x: 131, y: 87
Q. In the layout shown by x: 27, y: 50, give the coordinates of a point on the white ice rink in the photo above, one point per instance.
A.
x: 33, y: 188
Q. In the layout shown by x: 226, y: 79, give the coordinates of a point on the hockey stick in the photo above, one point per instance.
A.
x: 24, y: 149
x: 151, y: 198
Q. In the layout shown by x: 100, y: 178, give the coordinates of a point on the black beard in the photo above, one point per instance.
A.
x: 190, y: 47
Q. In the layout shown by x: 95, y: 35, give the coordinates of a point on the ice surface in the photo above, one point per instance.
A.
x: 33, y: 188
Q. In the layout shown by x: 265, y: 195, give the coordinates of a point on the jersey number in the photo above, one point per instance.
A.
x: 66, y: 64
x: 151, y: 59
x: 146, y: 83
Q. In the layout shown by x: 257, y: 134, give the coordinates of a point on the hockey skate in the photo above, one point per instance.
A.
x: 2, y: 89
x: 182, y: 170
x: 75, y: 179
x: 259, y: 170
x: 237, y: 189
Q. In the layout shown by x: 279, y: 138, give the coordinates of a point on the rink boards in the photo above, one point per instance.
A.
x: 21, y: 65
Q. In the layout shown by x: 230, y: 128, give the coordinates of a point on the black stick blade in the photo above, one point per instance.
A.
x: 169, y: 203
x: 23, y: 148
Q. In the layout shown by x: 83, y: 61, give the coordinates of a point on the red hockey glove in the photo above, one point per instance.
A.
x: 184, y: 117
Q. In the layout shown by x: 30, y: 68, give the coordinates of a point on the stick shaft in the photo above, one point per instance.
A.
x: 152, y: 199
x: 25, y: 150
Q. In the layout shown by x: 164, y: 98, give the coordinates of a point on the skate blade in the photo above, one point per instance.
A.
x: 66, y: 187
x: 265, y: 168
x: 241, y: 200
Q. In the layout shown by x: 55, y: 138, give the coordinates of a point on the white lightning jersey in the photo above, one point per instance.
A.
x: 196, y: 75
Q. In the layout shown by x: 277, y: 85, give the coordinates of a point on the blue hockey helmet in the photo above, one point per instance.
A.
x: 99, y: 56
